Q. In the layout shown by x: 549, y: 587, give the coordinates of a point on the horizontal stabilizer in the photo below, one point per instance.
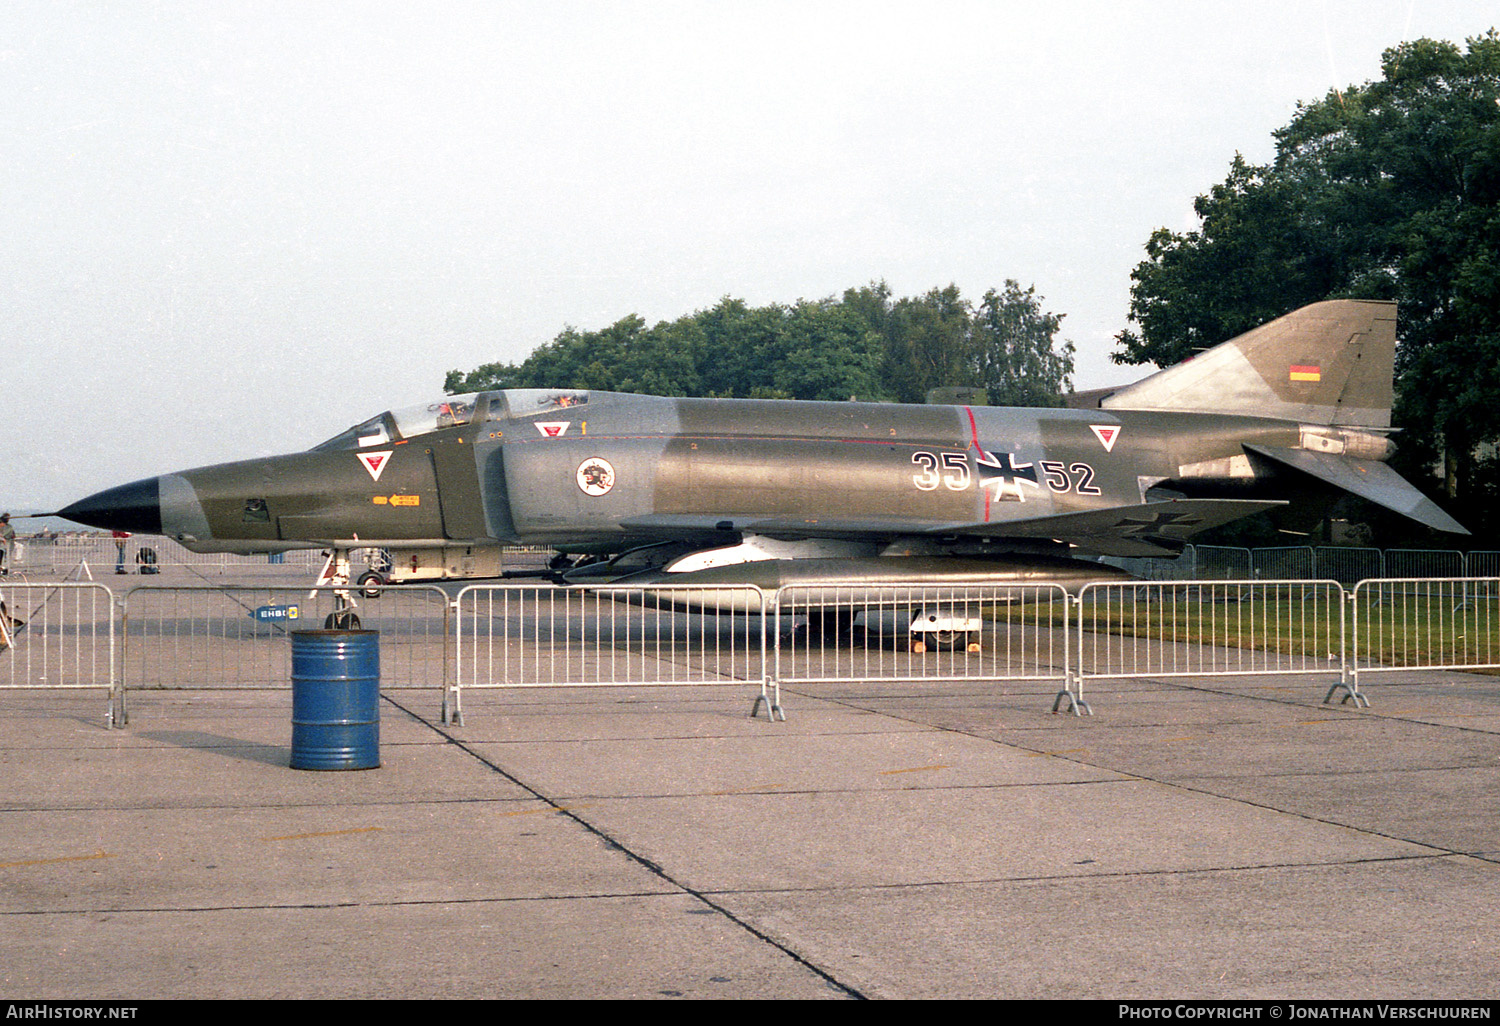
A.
x: 1369, y: 480
x: 1148, y: 529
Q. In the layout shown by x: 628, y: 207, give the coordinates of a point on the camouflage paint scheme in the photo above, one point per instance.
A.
x: 1285, y: 418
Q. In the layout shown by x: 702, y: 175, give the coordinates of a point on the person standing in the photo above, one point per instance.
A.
x: 7, y: 542
x: 120, y: 537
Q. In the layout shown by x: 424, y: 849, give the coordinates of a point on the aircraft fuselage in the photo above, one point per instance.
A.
x: 607, y: 471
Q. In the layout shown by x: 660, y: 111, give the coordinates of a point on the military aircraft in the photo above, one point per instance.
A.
x: 1284, y: 418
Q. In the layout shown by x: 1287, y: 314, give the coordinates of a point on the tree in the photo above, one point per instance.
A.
x: 1389, y: 190
x: 741, y: 347
x: 1252, y: 260
x: 1007, y: 345
x: 625, y: 357
x: 831, y: 353
x: 1014, y: 354
x: 927, y: 344
x: 863, y: 346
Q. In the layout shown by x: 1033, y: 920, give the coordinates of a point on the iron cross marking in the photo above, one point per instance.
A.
x: 1155, y: 524
x: 1001, y: 472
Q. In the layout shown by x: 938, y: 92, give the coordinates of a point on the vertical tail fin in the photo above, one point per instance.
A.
x: 1327, y: 363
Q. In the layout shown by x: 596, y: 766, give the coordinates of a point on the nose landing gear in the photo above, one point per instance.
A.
x: 335, y: 575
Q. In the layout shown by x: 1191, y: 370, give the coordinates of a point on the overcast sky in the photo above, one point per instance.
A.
x: 232, y: 229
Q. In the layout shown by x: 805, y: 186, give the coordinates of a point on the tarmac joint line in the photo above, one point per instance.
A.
x: 641, y: 860
x: 550, y: 808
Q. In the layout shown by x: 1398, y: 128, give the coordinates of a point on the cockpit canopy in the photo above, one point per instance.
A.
x: 452, y: 411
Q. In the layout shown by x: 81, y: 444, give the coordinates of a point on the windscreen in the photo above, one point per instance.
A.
x: 450, y: 411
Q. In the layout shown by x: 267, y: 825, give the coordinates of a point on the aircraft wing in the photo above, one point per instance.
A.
x: 1145, y: 529
x: 677, y: 525
x: 1148, y: 529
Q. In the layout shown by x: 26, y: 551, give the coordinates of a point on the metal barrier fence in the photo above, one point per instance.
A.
x: 1285, y: 563
x: 1406, y: 563
x: 1476, y: 564
x: 1221, y: 563
x: 1348, y: 566
x: 864, y: 632
x: 1405, y: 624
x: 58, y: 636
x: 239, y: 636
x: 1345, y: 564
x: 514, y: 635
x: 64, y: 635
x: 1208, y: 628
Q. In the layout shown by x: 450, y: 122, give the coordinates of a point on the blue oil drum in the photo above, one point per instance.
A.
x: 335, y: 700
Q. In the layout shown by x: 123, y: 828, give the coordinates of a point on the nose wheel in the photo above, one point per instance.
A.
x: 335, y: 575
x: 341, y: 620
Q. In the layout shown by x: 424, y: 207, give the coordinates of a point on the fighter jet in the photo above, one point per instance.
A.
x: 1284, y: 418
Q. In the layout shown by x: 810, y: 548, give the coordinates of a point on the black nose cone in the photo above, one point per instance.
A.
x: 134, y: 507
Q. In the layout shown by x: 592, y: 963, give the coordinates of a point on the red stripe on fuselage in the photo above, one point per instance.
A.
x: 974, y: 435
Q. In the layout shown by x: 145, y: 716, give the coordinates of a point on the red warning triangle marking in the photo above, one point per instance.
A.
x: 375, y: 462
x: 553, y: 428
x: 1107, y: 434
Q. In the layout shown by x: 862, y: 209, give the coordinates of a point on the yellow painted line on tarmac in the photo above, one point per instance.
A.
x: 1186, y: 737
x: 913, y: 769
x: 49, y: 862
x: 323, y: 833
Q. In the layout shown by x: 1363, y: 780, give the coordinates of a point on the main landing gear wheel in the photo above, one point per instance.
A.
x: 947, y: 641
x: 830, y: 628
x: 370, y: 584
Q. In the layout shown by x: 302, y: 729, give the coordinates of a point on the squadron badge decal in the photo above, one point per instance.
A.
x: 596, y: 476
